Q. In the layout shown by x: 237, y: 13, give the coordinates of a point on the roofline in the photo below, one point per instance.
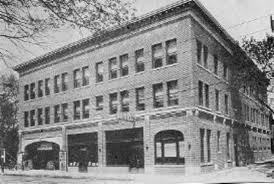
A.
x: 19, y: 68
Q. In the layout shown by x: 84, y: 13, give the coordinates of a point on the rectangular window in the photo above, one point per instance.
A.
x: 113, y: 103
x: 171, y: 49
x: 158, y: 96
x: 47, y: 86
x: 32, y: 118
x: 207, y: 95
x: 39, y: 116
x: 199, y: 52
x: 113, y: 68
x: 218, y: 140
x: 157, y: 56
x: 208, y: 136
x: 201, y: 99
x: 140, y: 99
x: 26, y: 92
x: 32, y: 90
x: 40, y: 88
x: 228, y: 146
x: 217, y: 95
x: 139, y: 61
x: 124, y: 65
x: 172, y: 93
x: 76, y: 110
x: 85, y: 108
x: 205, y: 56
x: 65, y: 112
x: 85, y: 75
x: 226, y: 104
x: 225, y: 72
x: 124, y: 101
x: 99, y: 103
x: 26, y: 119
x: 57, y: 84
x: 77, y: 78
x: 99, y: 72
x: 202, y: 137
x: 57, y: 117
x: 47, y: 115
x: 64, y: 81
x: 216, y: 64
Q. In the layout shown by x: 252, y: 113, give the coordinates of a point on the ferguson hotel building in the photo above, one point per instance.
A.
x: 153, y: 95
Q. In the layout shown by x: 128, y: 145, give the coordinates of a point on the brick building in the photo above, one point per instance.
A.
x: 154, y: 94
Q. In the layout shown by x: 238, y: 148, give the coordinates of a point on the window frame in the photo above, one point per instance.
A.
x: 99, y: 99
x: 139, y: 65
x: 173, y: 54
x: 99, y: 75
x: 40, y: 90
x: 113, y: 104
x: 113, y: 68
x: 140, y: 101
x: 157, y: 59
x: 76, y: 112
x: 85, y: 112
x: 160, y: 102
x: 170, y: 101
x: 124, y: 59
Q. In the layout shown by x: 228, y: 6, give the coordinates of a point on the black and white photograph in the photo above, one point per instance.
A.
x: 136, y: 91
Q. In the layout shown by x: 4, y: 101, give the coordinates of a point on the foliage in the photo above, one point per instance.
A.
x: 26, y: 21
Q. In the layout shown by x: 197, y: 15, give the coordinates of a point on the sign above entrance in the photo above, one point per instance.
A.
x: 45, y: 147
x: 126, y: 117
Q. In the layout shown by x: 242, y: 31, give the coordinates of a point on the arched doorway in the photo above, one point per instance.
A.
x: 42, y: 155
x: 169, y: 147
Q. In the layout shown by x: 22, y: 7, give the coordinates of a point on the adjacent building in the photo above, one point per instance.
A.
x: 153, y: 95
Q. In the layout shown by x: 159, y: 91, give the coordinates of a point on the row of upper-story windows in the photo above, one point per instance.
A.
x: 260, y: 144
x: 117, y: 67
x: 204, y: 97
x: 61, y: 113
x: 203, y: 60
x: 255, y: 116
x: 252, y: 92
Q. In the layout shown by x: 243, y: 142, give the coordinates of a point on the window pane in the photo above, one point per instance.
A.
x: 99, y: 72
x: 32, y: 90
x: 140, y: 99
x: 39, y: 116
x: 32, y: 118
x: 124, y: 101
x: 65, y: 112
x: 64, y: 81
x: 85, y: 108
x: 47, y: 86
x: 202, y: 134
x: 173, y: 96
x: 26, y: 119
x: 201, y: 101
x: 113, y: 103
x: 40, y: 88
x: 158, y: 95
x: 85, y: 76
x: 99, y: 103
x: 217, y: 100
x: 139, y: 57
x: 199, y: 51
x: 216, y: 64
x: 113, y: 68
x: 205, y: 56
x: 26, y: 92
x: 76, y: 110
x: 47, y: 115
x: 207, y: 95
x: 171, y: 51
x: 57, y: 84
x: 124, y: 65
x: 77, y: 78
x: 157, y: 56
x: 57, y: 117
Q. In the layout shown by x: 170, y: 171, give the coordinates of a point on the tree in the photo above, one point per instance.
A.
x: 26, y: 21
x: 8, y: 117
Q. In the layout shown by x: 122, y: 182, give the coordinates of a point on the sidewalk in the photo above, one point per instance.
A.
x: 238, y: 174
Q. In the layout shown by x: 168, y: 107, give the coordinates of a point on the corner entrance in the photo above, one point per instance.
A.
x: 42, y: 155
x: 125, y: 148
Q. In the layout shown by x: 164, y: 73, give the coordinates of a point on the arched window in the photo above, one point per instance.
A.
x: 169, y: 147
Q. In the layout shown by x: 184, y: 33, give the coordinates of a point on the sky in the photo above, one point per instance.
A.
x: 240, y: 18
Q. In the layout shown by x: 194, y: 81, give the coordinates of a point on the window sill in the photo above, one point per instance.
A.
x: 118, y: 78
x: 169, y: 165
x: 205, y: 108
x: 164, y: 66
x: 78, y: 88
x: 139, y: 73
x: 206, y: 164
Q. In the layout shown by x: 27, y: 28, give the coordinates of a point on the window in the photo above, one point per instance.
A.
x: 113, y: 103
x: 99, y: 103
x: 64, y: 81
x: 124, y: 65
x: 217, y: 107
x: 216, y: 64
x: 39, y: 116
x: 77, y: 78
x: 113, y: 68
x: 172, y: 93
x: 139, y: 61
x: 202, y: 137
x: 169, y: 147
x: 32, y: 118
x: 207, y: 95
x: 47, y: 86
x: 76, y: 110
x: 157, y: 56
x: 226, y: 104
x: 57, y: 84
x: 199, y: 51
x: 26, y: 119
x: 85, y: 75
x: 140, y: 99
x: 158, y: 96
x: 26, y: 92
x: 218, y: 140
x: 208, y: 136
x: 201, y: 99
x: 205, y: 56
x: 124, y: 101
x: 65, y: 112
x: 225, y: 72
x: 99, y: 72
x: 32, y: 90
x: 171, y: 49
x: 227, y: 145
x: 85, y: 107
x: 57, y: 117
x: 47, y: 115
x: 40, y: 88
